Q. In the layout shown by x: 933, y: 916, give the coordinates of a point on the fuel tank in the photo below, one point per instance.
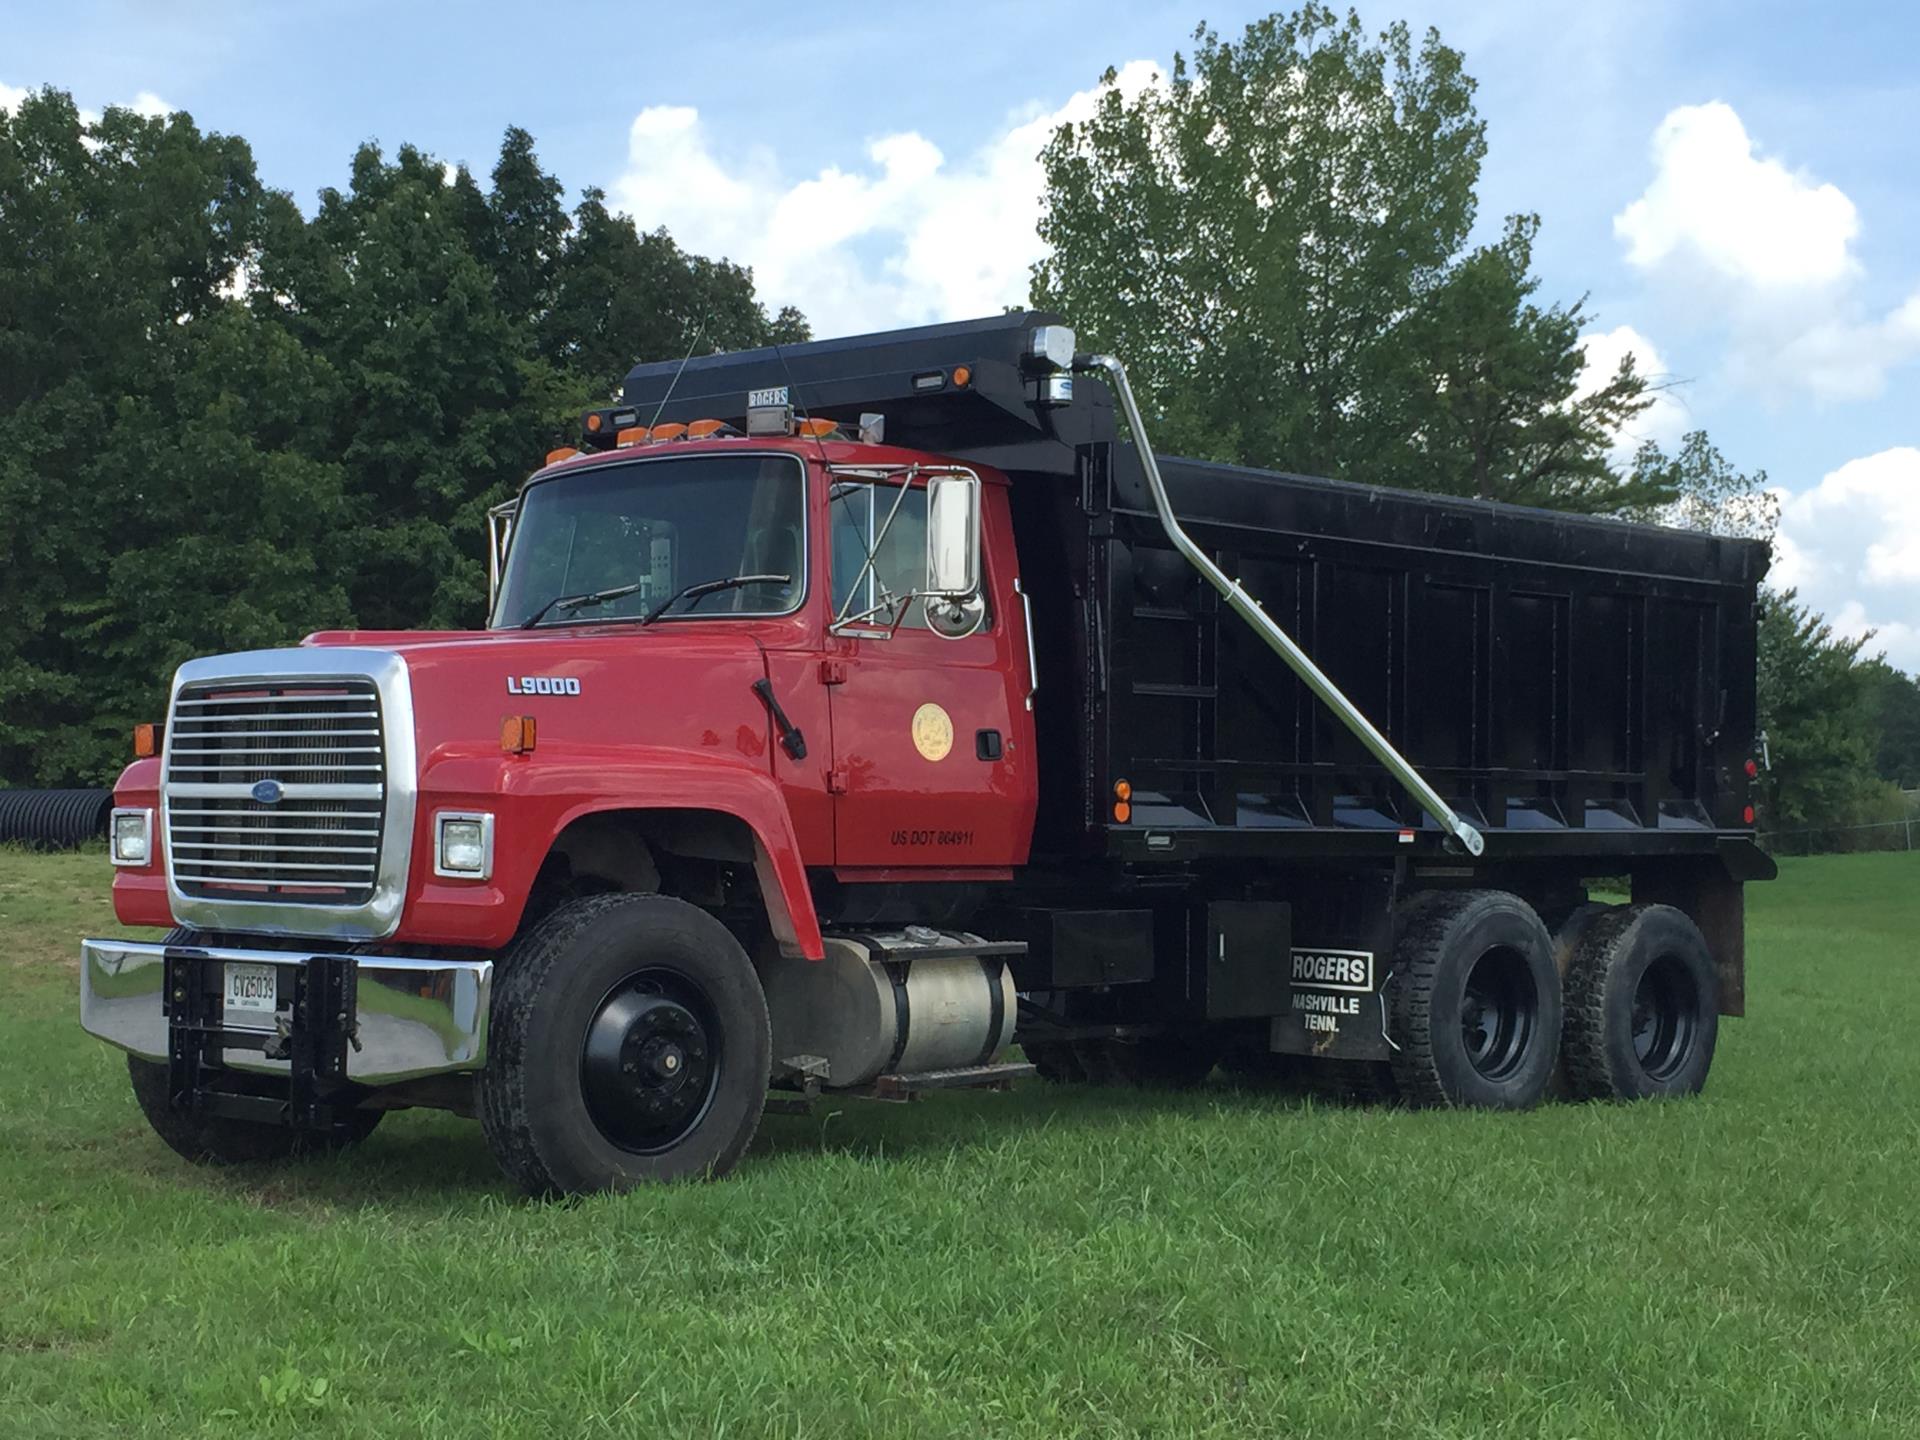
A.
x: 897, y: 1003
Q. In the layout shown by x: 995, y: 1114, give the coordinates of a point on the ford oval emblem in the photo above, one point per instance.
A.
x: 268, y: 792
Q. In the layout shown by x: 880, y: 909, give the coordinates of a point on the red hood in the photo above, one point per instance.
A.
x: 672, y: 685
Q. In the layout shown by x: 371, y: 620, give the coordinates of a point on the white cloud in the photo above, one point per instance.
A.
x: 1844, y: 357
x: 10, y: 96
x: 1791, y: 567
x: 1880, y: 494
x: 1896, y: 639
x: 1742, y: 215
x: 1665, y: 420
x: 150, y: 105
x: 1851, y: 546
x: 1742, y: 243
x: 903, y: 236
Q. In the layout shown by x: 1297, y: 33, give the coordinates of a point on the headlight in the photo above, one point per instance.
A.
x: 132, y: 837
x: 463, y: 844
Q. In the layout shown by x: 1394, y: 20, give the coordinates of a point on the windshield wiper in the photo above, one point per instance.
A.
x: 619, y: 592
x: 574, y: 602
x: 710, y: 587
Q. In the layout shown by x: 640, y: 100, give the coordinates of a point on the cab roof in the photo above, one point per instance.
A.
x: 852, y: 454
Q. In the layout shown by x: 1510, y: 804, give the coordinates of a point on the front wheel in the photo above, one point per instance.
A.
x: 221, y: 1140
x: 629, y: 1044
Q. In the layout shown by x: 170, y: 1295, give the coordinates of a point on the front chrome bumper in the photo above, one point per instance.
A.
x: 412, y: 1017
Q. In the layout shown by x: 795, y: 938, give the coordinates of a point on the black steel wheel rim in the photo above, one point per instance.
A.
x: 651, y: 1061
x: 1499, y: 1011
x: 1666, y: 1017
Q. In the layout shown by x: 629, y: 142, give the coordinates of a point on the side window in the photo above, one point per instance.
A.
x: 860, y: 511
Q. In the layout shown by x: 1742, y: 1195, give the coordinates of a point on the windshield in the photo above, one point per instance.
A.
x: 663, y: 525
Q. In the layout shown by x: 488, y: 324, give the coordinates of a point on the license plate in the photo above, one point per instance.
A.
x: 252, y: 990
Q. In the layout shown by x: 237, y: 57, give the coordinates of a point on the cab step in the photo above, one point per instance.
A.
x: 967, y: 1077
x: 895, y: 1088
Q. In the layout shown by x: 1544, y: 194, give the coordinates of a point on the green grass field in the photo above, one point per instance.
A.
x: 1035, y: 1264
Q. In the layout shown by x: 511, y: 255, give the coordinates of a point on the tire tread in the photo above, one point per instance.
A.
x: 521, y: 983
x: 1599, y: 951
x: 1423, y: 930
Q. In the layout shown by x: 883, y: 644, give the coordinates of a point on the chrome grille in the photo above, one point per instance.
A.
x: 323, y: 744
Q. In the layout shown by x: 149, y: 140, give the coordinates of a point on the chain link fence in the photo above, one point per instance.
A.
x: 1844, y: 839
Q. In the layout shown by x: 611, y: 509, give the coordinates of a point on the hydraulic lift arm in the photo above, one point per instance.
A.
x: 1270, y: 631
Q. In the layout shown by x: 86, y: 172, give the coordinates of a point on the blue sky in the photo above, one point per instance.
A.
x: 1735, y: 187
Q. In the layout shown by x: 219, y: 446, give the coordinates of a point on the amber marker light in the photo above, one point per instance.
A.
x: 146, y: 741
x: 962, y: 375
x: 594, y: 422
x: 703, y: 429
x: 670, y: 431
x: 565, y: 452
x: 517, y: 735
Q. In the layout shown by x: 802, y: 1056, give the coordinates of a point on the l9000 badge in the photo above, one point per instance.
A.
x: 542, y: 685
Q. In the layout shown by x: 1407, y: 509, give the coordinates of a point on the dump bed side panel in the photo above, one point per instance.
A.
x: 1584, y: 684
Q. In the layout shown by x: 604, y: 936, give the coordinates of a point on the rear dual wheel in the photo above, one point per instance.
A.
x: 1482, y: 1015
x: 1643, y: 1005
x: 1476, y: 1002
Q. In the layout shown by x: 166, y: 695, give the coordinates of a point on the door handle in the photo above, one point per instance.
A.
x: 791, y: 740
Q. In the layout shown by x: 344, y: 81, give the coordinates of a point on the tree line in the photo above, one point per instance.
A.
x: 225, y: 422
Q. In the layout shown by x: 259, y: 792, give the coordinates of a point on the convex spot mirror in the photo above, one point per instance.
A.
x: 953, y: 537
x: 953, y: 604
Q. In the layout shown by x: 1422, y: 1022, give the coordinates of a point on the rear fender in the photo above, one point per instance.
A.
x: 1711, y: 893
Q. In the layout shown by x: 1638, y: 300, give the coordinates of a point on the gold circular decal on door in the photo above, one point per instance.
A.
x: 932, y: 731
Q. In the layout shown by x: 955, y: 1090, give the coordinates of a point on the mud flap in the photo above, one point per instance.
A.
x: 1339, y: 968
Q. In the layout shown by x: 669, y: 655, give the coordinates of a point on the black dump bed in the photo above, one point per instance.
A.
x: 1573, y: 686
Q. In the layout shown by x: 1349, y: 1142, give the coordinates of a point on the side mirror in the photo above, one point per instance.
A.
x: 953, y: 537
x: 499, y: 535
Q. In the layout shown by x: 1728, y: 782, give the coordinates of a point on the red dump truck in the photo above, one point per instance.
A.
x: 852, y: 714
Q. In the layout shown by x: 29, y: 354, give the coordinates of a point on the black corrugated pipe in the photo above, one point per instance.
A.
x: 54, y: 819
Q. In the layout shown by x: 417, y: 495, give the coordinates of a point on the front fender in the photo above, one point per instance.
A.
x: 140, y: 891
x: 536, y: 796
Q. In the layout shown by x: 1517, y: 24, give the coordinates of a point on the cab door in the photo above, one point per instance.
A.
x: 934, y: 763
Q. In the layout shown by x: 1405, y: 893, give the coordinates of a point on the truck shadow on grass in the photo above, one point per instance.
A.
x: 420, y: 1167
x: 944, y: 1123
x: 421, y: 1161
